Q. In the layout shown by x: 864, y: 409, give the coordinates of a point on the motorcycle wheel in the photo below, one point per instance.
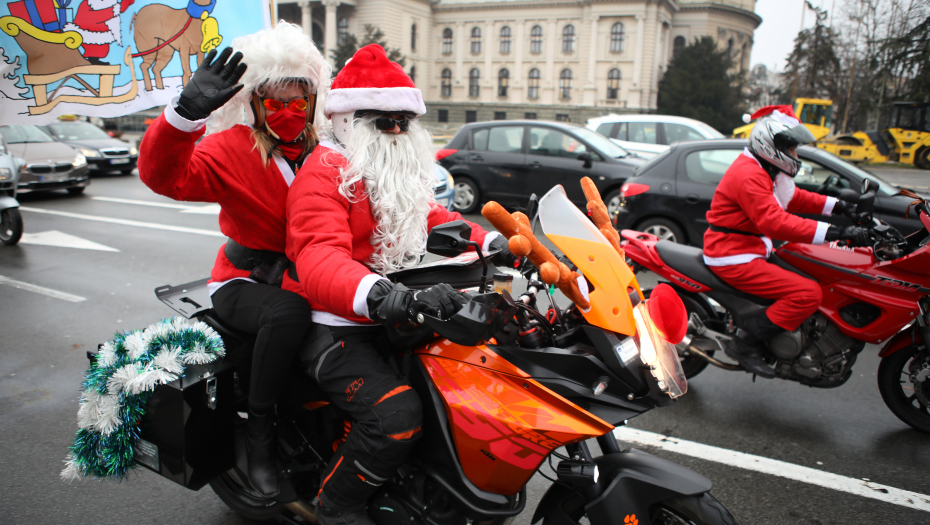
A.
x: 11, y: 226
x: 904, y: 382
x: 242, y: 499
x: 685, y: 510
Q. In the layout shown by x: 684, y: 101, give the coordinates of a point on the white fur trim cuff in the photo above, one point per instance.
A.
x: 179, y: 122
x: 731, y: 260
x: 821, y: 233
x: 360, y: 301
x: 828, y: 206
x: 487, y: 240
x: 347, y: 100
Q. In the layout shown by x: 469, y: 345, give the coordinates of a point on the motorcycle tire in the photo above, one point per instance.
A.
x: 906, y: 399
x: 691, y: 364
x: 685, y: 510
x: 11, y: 226
x: 243, y: 500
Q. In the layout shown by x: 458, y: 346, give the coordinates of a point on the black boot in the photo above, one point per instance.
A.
x: 263, y: 461
x: 747, y: 345
x: 329, y: 516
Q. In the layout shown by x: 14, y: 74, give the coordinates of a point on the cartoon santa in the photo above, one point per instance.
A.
x: 98, y: 22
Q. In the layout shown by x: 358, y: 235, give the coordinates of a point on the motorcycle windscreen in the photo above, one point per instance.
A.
x: 579, y: 239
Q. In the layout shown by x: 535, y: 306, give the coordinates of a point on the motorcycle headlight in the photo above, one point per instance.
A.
x: 6, y: 173
x: 79, y: 161
x: 89, y: 152
x: 659, y: 355
x: 133, y: 151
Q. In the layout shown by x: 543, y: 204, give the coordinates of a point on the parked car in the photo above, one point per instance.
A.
x: 507, y: 161
x: 103, y: 152
x: 649, y: 135
x: 670, y: 195
x: 48, y: 165
x: 444, y: 186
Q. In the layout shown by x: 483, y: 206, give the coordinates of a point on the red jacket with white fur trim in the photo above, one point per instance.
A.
x: 329, y: 239
x: 223, y: 168
x: 748, y: 200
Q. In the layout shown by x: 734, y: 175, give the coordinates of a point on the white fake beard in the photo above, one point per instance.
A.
x: 398, y: 174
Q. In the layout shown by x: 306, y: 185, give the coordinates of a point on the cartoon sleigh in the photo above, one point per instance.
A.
x: 53, y: 57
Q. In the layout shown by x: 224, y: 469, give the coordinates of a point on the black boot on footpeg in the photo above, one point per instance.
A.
x: 749, y: 357
x: 262, y: 456
x: 329, y: 516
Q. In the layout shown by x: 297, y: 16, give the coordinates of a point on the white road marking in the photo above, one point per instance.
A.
x: 858, y: 487
x: 42, y: 290
x: 125, y: 222
x: 209, y: 209
x: 63, y: 240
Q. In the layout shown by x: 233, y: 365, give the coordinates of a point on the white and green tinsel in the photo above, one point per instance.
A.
x: 118, y: 385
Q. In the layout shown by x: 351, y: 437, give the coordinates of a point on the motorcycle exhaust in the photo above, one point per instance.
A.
x: 696, y: 328
x: 302, y: 509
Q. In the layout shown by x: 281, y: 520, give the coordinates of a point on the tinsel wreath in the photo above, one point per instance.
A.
x: 118, y: 386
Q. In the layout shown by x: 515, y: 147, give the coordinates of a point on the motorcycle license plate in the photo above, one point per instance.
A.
x: 119, y: 161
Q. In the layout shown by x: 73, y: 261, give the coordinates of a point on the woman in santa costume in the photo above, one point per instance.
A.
x: 362, y: 207
x: 248, y: 169
x: 752, y: 205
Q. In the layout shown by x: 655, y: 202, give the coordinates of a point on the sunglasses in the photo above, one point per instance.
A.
x: 298, y: 104
x: 387, y: 123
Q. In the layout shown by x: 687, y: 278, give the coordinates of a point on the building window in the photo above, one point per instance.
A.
x: 413, y: 37
x: 529, y: 116
x: 616, y: 38
x: 473, y: 77
x: 562, y: 117
x: 503, y: 78
x: 677, y: 45
x: 500, y: 115
x: 505, y: 40
x: 446, y: 41
x: 613, y: 84
x: 471, y: 116
x: 536, y: 40
x: 533, y: 84
x: 413, y: 74
x: 446, y: 89
x: 475, y: 40
x: 442, y: 115
x: 565, y: 83
x: 730, y: 49
x: 342, y: 31
x: 568, y: 39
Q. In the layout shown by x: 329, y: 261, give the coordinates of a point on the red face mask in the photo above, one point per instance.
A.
x: 287, y: 124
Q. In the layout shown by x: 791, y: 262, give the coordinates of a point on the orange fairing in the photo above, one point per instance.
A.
x: 504, y: 425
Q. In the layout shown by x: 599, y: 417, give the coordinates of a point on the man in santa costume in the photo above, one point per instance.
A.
x: 362, y: 207
x: 752, y: 205
x: 98, y: 22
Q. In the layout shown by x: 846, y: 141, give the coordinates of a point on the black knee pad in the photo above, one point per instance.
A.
x: 401, y: 416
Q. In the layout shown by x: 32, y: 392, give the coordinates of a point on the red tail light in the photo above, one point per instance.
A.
x: 443, y: 153
x: 631, y: 188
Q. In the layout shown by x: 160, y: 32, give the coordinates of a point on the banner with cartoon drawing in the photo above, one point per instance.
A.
x: 107, y: 58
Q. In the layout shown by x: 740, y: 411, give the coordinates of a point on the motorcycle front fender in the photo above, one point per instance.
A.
x: 629, y: 483
x: 7, y: 202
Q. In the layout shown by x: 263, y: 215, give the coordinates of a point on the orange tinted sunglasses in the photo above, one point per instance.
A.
x: 298, y: 104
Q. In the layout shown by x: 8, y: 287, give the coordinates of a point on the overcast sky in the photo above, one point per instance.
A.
x: 781, y: 20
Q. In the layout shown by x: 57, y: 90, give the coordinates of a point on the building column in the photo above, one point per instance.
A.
x: 306, y: 18
x: 489, y: 74
x: 658, y: 66
x: 552, y: 83
x: 638, y: 63
x: 458, y: 38
x: 590, y: 91
x: 516, y: 77
x: 330, y: 35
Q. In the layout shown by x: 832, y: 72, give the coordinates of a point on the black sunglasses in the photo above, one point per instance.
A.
x: 388, y: 123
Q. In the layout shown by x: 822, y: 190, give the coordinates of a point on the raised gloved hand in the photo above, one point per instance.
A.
x: 845, y: 208
x: 503, y: 257
x: 212, y: 85
x: 391, y: 304
x: 855, y: 235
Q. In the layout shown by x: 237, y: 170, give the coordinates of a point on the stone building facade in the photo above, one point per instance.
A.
x: 546, y: 59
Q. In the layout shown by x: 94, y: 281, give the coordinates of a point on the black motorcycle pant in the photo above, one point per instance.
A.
x: 362, y: 379
x: 279, y: 319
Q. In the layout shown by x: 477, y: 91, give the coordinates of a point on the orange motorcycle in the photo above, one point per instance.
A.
x: 508, y: 385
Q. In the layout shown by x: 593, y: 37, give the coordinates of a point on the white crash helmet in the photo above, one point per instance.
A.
x: 774, y: 135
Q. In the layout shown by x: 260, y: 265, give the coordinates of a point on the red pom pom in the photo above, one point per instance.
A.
x: 668, y: 313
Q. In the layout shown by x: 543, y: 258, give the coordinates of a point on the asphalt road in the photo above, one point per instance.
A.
x: 846, y: 431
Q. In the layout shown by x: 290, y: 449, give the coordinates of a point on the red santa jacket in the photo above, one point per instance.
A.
x: 748, y: 200
x: 329, y: 239
x: 223, y: 168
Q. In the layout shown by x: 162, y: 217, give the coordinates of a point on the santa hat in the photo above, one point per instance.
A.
x: 784, y: 114
x: 273, y: 56
x: 370, y: 81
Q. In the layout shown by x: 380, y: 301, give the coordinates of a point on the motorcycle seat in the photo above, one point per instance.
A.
x: 689, y: 261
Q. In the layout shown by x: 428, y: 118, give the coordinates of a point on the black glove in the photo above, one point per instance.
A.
x: 503, y: 257
x: 211, y: 86
x: 845, y: 208
x: 393, y: 304
x: 856, y: 235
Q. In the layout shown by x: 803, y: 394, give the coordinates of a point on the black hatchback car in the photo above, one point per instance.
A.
x: 670, y: 195
x: 507, y: 161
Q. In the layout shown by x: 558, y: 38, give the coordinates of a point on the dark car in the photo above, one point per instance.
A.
x: 670, y: 195
x: 103, y: 152
x: 507, y: 161
x: 46, y: 164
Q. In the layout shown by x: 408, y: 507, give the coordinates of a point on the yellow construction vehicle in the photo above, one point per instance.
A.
x: 816, y: 115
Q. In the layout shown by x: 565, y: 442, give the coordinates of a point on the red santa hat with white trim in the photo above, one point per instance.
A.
x: 369, y: 80
x: 784, y: 114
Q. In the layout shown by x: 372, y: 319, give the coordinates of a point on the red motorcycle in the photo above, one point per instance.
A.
x: 875, y: 295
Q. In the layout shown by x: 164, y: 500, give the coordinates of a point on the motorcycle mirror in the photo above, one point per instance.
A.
x: 450, y: 239
x: 867, y: 184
